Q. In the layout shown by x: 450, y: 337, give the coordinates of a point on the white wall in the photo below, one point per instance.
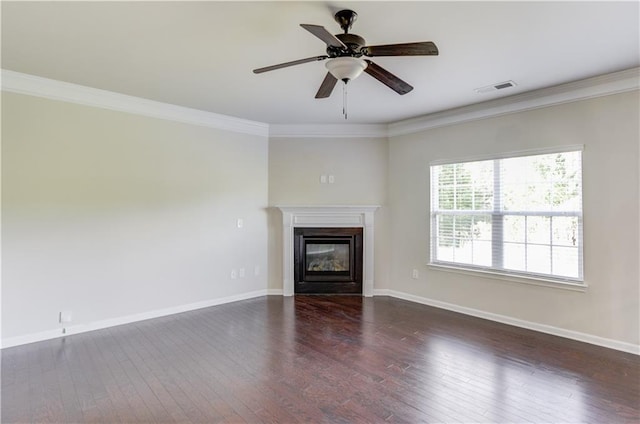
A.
x: 609, y: 129
x: 109, y: 214
x: 359, y: 166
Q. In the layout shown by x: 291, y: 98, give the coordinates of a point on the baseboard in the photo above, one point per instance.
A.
x: 98, y: 325
x: 543, y: 328
x: 112, y: 322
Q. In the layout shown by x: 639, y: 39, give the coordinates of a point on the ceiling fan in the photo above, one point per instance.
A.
x: 345, y: 52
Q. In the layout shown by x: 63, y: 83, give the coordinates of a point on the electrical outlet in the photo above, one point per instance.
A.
x: 234, y: 274
x: 240, y: 223
x: 65, y: 316
x: 415, y: 274
x: 332, y: 179
x: 323, y: 179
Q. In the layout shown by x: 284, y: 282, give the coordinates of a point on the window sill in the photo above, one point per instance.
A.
x: 531, y: 280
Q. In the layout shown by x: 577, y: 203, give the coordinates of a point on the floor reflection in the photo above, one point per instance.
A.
x: 430, y: 364
x: 318, y: 359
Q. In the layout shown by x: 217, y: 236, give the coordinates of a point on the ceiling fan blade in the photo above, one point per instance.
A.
x: 286, y: 64
x: 387, y: 78
x: 324, y: 35
x: 326, y: 87
x: 424, y: 48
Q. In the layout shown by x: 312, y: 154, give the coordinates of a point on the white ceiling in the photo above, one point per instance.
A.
x: 201, y: 54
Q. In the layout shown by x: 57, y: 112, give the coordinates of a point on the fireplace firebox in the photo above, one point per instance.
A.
x: 328, y: 260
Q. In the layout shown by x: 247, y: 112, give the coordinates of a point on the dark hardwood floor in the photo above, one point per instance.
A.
x: 317, y: 359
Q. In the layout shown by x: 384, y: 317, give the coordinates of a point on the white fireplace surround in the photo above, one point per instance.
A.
x: 327, y: 217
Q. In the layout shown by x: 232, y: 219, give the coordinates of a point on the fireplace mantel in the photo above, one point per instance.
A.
x: 327, y: 217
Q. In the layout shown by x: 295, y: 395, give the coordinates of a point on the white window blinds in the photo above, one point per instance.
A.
x: 519, y: 215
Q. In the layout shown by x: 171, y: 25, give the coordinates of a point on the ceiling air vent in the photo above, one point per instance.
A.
x: 496, y: 87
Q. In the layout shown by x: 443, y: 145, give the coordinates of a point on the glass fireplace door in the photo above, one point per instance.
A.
x: 328, y: 260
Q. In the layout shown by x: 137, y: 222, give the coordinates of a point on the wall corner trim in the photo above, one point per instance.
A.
x: 542, y: 328
x: 31, y: 85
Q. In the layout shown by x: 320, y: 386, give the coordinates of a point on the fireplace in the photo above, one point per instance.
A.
x: 328, y: 260
x: 328, y: 217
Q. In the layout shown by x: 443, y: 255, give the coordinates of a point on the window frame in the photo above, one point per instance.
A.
x: 571, y: 283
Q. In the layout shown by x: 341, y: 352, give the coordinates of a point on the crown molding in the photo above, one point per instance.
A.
x: 16, y: 82
x: 604, y: 85
x: 328, y: 131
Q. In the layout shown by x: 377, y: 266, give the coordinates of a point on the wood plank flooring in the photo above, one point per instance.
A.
x: 313, y: 359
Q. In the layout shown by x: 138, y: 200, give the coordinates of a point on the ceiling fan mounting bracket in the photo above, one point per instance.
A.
x: 345, y: 19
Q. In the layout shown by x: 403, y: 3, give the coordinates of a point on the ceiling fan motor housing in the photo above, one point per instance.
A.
x: 354, y: 43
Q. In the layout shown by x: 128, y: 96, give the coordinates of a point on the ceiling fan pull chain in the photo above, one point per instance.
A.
x: 344, y: 99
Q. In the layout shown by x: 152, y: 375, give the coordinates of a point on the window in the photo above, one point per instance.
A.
x: 519, y: 215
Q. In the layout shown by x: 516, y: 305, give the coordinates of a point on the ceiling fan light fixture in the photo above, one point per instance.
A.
x: 346, y: 68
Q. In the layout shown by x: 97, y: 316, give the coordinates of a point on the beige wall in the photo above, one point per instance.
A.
x: 109, y: 214
x: 608, y: 127
x: 359, y: 166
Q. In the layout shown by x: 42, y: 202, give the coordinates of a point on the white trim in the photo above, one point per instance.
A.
x: 328, y: 131
x: 532, y: 279
x: 548, y: 329
x: 542, y: 328
x: 112, y: 322
x: 16, y: 82
x: 604, y: 85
